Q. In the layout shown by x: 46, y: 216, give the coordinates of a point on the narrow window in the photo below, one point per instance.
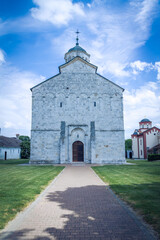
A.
x: 60, y: 104
x: 94, y: 104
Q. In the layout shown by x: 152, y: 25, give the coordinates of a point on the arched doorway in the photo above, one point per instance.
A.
x: 78, y: 151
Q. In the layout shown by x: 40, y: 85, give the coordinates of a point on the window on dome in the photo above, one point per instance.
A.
x: 60, y: 104
x: 94, y: 104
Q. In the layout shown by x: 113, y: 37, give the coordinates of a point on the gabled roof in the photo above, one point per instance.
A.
x: 76, y: 59
x: 148, y: 130
x: 71, y: 61
x: 151, y: 129
x: 45, y: 81
x: 110, y: 81
x: 7, y: 142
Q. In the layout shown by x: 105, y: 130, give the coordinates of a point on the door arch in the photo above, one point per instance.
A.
x: 78, y: 151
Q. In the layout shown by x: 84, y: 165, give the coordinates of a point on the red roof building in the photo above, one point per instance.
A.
x: 144, y: 139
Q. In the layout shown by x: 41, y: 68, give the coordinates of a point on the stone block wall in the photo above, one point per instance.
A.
x: 77, y: 96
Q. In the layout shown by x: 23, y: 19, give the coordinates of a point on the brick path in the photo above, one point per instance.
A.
x: 76, y: 206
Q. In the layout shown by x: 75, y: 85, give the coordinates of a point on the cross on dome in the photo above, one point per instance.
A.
x: 77, y: 51
x: 77, y: 39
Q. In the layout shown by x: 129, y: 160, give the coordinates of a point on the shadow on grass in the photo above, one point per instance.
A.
x: 90, y: 212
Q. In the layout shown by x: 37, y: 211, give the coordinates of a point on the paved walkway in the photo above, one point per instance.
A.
x: 77, y: 205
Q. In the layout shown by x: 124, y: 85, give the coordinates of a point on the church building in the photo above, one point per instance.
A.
x: 145, y: 140
x: 77, y: 115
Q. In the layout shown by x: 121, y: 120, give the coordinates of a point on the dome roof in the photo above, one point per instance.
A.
x: 77, y: 48
x: 135, y: 133
x: 145, y: 120
x: 76, y: 51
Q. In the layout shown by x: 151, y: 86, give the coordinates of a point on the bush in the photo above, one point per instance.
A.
x: 25, y: 147
x: 153, y: 157
x: 128, y: 144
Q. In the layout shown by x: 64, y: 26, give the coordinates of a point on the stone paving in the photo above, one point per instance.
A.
x: 79, y: 206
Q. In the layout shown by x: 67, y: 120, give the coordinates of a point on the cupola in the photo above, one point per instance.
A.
x: 145, y: 123
x: 77, y: 51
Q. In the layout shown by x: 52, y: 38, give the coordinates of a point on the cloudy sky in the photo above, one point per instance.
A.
x: 122, y: 36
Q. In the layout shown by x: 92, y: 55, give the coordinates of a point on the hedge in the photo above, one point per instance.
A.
x: 153, y: 157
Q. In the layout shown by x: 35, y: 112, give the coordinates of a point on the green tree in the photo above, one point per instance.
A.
x: 25, y: 146
x: 128, y: 144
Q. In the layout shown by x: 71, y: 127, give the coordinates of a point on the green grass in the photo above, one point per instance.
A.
x: 138, y: 185
x: 19, y: 185
x: 14, y: 161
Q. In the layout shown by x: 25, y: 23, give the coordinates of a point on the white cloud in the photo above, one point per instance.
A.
x: 118, y: 34
x: 115, y: 68
x: 140, y: 103
x: 57, y: 12
x: 146, y: 9
x: 2, y: 59
x: 15, y: 98
x: 157, y: 67
x: 113, y: 36
x: 138, y: 66
x: 8, y: 124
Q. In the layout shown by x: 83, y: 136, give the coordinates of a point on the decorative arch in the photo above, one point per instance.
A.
x: 78, y: 129
x: 78, y: 151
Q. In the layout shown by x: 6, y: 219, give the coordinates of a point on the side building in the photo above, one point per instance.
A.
x: 145, y: 139
x: 9, y: 148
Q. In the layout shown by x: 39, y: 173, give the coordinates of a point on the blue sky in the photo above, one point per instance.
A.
x: 121, y: 36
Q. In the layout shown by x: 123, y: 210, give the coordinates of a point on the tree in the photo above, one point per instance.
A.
x: 25, y: 146
x: 128, y: 144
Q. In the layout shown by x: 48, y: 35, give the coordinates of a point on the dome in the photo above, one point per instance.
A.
x: 135, y: 133
x: 145, y: 120
x: 76, y: 51
x: 76, y: 48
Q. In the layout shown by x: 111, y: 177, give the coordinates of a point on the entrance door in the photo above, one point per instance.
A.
x: 78, y: 151
x: 5, y: 156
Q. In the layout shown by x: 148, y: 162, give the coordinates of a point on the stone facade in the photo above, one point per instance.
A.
x: 77, y: 104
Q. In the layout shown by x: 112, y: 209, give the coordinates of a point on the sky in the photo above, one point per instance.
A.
x: 121, y: 36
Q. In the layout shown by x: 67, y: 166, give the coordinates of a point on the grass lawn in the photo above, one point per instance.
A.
x: 138, y: 185
x: 20, y: 185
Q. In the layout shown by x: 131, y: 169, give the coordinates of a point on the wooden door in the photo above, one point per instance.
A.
x: 78, y: 151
